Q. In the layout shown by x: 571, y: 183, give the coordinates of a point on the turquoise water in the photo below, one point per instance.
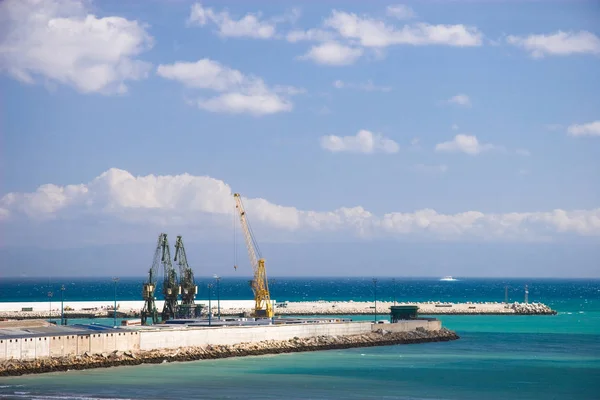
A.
x: 497, y: 357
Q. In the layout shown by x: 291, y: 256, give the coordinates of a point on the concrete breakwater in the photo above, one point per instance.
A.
x: 77, y: 314
x: 238, y: 307
x: 427, y: 308
x: 87, y: 360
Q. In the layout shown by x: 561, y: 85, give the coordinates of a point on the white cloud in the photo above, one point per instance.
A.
x: 558, y: 44
x: 240, y: 93
x: 332, y: 53
x: 347, y: 36
x: 460, y: 99
x: 343, y: 36
x: 400, y: 11
x: 62, y: 41
x: 363, y: 142
x: 368, y: 86
x: 431, y: 169
x: 250, y: 25
x: 523, y: 152
x: 207, y: 74
x: 454, y: 127
x: 464, y: 143
x: 589, y: 129
x: 118, y: 199
x: 239, y: 103
x: 317, y: 35
x: 371, y: 32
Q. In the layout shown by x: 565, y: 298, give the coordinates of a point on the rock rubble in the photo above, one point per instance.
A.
x: 117, y: 358
x: 532, y: 308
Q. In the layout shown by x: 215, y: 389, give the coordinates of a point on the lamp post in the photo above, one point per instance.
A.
x: 394, y: 282
x: 375, y: 294
x: 50, y: 305
x: 218, y: 278
x: 115, y: 280
x: 272, y: 305
x: 209, y: 304
x: 62, y: 312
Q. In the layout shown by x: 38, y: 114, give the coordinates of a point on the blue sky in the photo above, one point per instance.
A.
x: 349, y: 122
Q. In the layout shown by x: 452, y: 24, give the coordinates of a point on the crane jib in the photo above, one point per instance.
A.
x: 260, y: 287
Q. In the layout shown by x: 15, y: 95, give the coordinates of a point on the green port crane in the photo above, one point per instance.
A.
x: 171, y: 288
x: 149, y: 311
x: 260, y: 286
x: 187, y: 309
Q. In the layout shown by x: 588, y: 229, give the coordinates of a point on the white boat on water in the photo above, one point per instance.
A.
x: 447, y: 278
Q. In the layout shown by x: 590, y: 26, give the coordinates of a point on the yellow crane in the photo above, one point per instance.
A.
x: 260, y: 286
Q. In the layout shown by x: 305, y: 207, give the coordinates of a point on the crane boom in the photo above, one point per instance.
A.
x: 260, y: 284
x: 186, y: 275
x: 149, y: 310
x: 171, y: 287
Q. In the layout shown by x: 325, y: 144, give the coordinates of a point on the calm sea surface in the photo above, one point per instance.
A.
x: 497, y: 357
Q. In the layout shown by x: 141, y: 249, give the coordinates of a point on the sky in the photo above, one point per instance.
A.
x: 366, y: 138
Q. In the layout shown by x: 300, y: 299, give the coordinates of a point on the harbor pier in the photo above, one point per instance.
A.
x: 43, y: 347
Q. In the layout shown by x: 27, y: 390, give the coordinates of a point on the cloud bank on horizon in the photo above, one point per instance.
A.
x: 161, y: 201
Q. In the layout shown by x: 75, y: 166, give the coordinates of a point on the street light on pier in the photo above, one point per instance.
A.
x: 115, y: 280
x: 210, y: 285
x: 218, y: 278
x: 394, y: 282
x: 50, y: 294
x: 375, y: 295
x: 62, y: 312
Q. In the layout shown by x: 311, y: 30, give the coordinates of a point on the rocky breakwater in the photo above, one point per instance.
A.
x: 532, y: 309
x: 380, y: 337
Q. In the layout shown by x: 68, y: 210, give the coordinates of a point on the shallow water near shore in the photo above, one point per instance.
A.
x: 523, y: 365
x: 497, y: 357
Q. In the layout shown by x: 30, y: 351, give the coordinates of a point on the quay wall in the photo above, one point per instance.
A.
x: 31, y: 348
x: 40, y: 347
x: 407, y: 326
x: 190, y: 337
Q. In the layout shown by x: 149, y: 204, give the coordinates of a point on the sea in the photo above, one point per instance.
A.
x: 496, y: 357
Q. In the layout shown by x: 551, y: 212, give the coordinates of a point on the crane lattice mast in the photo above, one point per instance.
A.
x: 186, y: 275
x: 171, y: 287
x: 149, y: 311
x: 260, y: 285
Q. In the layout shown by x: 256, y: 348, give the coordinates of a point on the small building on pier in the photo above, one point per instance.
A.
x: 402, y: 313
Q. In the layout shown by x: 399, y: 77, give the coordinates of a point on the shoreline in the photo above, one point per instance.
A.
x: 380, y: 337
